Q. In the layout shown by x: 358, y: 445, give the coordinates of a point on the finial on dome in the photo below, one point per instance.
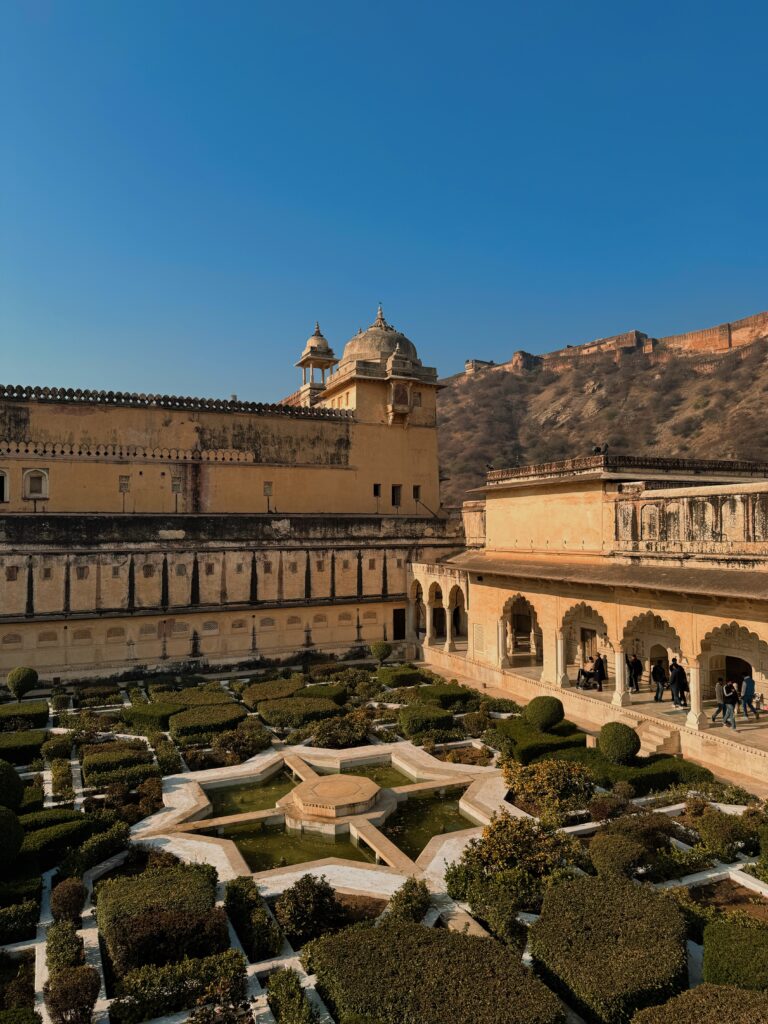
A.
x: 318, y: 333
x: 380, y: 321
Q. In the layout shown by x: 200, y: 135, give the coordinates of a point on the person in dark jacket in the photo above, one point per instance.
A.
x: 659, y: 677
x: 600, y: 673
x: 731, y: 698
x: 678, y: 683
x: 635, y: 673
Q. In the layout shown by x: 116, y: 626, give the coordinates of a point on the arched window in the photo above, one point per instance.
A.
x: 35, y: 484
x: 12, y: 640
x: 210, y: 627
x: 180, y: 628
x: 267, y: 623
x: 148, y: 631
x: 81, y: 635
x: 320, y: 620
x: 4, y: 494
x: 238, y: 624
x: 294, y: 620
x: 370, y: 616
x: 50, y: 636
x: 115, y: 634
x: 345, y: 617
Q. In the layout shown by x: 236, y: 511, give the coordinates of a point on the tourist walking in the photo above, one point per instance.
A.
x: 600, y: 673
x: 635, y: 674
x: 730, y: 700
x: 659, y: 677
x: 677, y: 683
x: 719, y: 698
x: 747, y: 697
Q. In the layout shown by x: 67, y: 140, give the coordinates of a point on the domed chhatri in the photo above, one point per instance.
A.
x: 317, y: 344
x: 334, y: 796
x: 378, y: 343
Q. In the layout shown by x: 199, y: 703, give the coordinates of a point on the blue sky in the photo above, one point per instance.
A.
x: 186, y: 186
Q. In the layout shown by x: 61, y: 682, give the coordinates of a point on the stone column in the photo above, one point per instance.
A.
x: 410, y: 622
x: 501, y: 630
x: 449, y: 644
x: 696, y: 718
x: 621, y: 695
x: 561, y: 659
x: 429, y: 622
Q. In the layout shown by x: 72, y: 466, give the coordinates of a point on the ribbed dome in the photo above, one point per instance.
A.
x: 378, y: 343
x: 316, y: 343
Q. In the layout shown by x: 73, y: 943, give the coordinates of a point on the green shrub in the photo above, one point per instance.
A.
x: 150, y: 991
x: 337, y: 692
x: 337, y: 733
x: 286, y: 998
x: 57, y: 745
x: 21, y: 680
x: 402, y: 971
x: 648, y: 774
x: 548, y: 788
x: 276, y: 689
x: 168, y: 757
x: 11, y: 786
x: 618, y: 743
x: 502, y: 705
x: 380, y: 650
x: 450, y: 696
x: 544, y: 713
x: 30, y: 714
x: 723, y: 835
x: 709, y: 1004
x: 19, y: 889
x: 20, y: 748
x: 47, y: 846
x: 121, y: 754
x: 132, y: 775
x: 293, y: 712
x: 32, y: 798
x: 97, y: 848
x: 399, y: 675
x: 11, y: 837
x: 153, y: 717
x: 411, y: 901
x: 20, y: 1015
x: 198, y: 696
x: 515, y: 737
x: 71, y: 995
x: 63, y: 947
x: 161, y: 916
x: 19, y: 921
x: 616, y: 854
x: 257, y: 930
x: 248, y: 739
x: 736, y: 954
x: 49, y: 816
x: 207, y: 718
x: 68, y: 900
x: 307, y: 909
x: 418, y: 718
x: 584, y: 923
x: 61, y: 779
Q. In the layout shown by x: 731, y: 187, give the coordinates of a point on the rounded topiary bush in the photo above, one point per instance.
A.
x: 68, y: 900
x: 615, y: 854
x: 308, y: 908
x: 544, y: 713
x: 21, y: 680
x: 418, y: 718
x: 11, y: 786
x: 618, y: 743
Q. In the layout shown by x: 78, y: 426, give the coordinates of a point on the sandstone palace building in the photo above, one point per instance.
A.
x: 139, y: 531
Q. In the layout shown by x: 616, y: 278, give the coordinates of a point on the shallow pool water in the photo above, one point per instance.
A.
x: 272, y: 846
x: 419, y: 818
x: 383, y: 775
x: 248, y: 796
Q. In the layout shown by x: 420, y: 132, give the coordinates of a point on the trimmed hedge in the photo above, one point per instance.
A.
x: 609, y: 947
x: 275, y: 689
x: 736, y: 954
x: 154, y: 717
x: 419, y: 718
x: 50, y: 816
x: 19, y: 1015
x: 32, y: 799
x: 151, y: 991
x: 132, y: 775
x: 400, y: 675
x: 20, y: 889
x: 11, y: 786
x: 709, y: 1004
x: 205, y: 696
x: 98, y: 848
x: 19, y: 921
x: 450, y: 696
x: 47, y: 846
x: 402, y: 971
x: 336, y: 733
x: 20, y: 748
x: 336, y: 692
x: 168, y: 758
x: 517, y: 738
x: 106, y: 756
x: 207, y: 718
x: 648, y: 774
x: 256, y: 928
x: 293, y: 712
x: 286, y: 998
x: 64, y: 948
x: 161, y: 916
x: 33, y: 712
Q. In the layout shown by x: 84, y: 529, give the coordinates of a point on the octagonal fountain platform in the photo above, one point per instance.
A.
x: 333, y: 796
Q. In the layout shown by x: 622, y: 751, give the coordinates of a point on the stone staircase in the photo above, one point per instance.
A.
x: 657, y: 738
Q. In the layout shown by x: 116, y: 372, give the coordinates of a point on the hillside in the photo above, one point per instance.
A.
x: 687, y: 406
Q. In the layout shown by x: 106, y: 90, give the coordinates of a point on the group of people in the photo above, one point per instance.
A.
x: 732, y: 696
